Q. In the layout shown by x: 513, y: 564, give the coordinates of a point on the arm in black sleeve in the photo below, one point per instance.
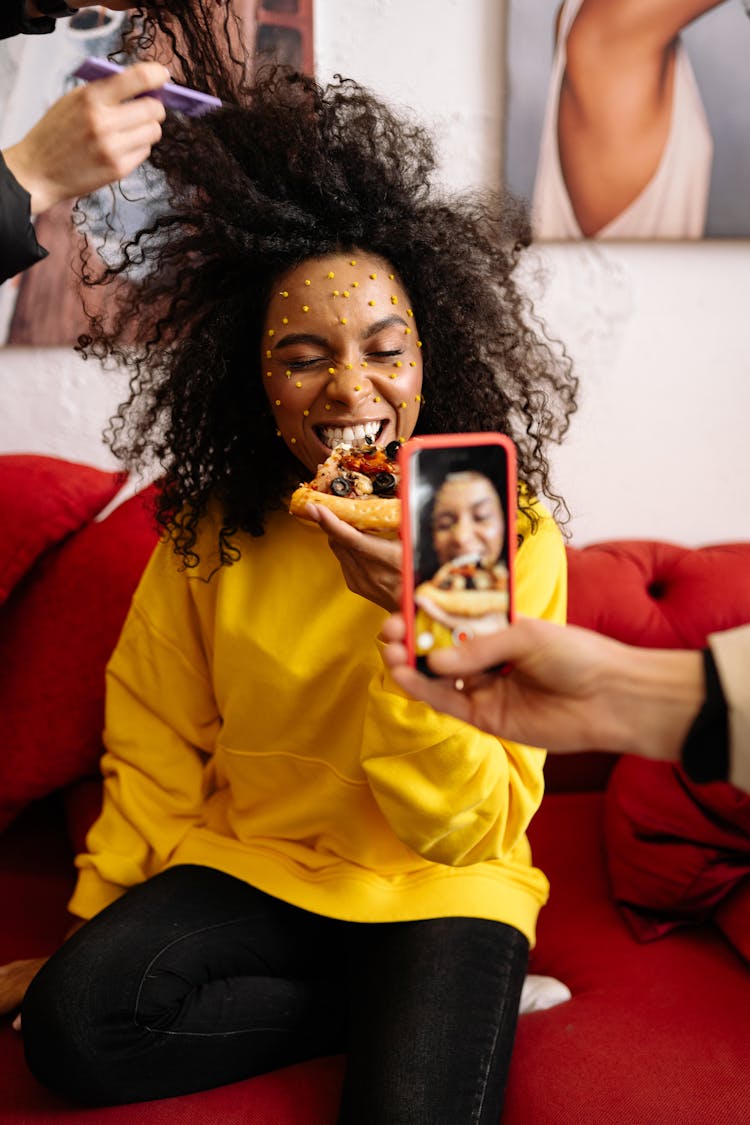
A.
x: 19, y: 248
x: 13, y: 21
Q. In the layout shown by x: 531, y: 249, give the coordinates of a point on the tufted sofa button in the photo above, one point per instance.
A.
x: 656, y: 589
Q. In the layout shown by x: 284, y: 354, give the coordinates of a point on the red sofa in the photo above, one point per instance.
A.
x: 656, y: 1033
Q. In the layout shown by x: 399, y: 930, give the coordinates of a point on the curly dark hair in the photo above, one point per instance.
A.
x: 200, y: 41
x: 295, y: 171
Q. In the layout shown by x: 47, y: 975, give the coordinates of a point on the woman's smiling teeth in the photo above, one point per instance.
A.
x: 347, y: 435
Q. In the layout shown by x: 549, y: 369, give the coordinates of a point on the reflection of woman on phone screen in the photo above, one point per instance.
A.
x: 466, y: 526
x: 467, y: 518
x: 626, y: 150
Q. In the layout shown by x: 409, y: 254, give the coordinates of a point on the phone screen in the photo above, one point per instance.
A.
x: 458, y: 531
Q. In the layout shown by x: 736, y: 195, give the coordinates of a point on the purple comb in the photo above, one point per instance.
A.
x: 181, y: 98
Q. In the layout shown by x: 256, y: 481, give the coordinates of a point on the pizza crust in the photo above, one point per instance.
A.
x: 369, y: 513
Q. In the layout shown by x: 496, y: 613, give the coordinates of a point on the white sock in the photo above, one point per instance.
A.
x: 539, y: 993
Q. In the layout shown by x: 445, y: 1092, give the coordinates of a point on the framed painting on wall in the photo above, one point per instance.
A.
x: 630, y: 122
x: 40, y: 306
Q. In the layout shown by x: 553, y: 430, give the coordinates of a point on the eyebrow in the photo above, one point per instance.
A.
x: 379, y: 325
x: 301, y: 338
x: 321, y: 342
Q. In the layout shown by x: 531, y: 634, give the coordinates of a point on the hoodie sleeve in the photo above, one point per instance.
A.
x: 161, y: 722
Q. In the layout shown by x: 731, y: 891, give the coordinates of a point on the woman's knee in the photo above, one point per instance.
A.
x: 70, y: 1024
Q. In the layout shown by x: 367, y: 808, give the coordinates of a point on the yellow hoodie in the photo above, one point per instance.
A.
x: 251, y: 727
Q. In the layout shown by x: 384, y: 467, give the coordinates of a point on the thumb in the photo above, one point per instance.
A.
x: 132, y: 82
x: 481, y: 653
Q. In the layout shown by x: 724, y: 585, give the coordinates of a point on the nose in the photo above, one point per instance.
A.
x: 347, y: 383
x: 464, y: 534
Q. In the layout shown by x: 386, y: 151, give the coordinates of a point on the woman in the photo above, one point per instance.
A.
x: 293, y: 857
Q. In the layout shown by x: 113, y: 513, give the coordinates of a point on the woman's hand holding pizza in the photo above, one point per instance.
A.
x: 371, y: 564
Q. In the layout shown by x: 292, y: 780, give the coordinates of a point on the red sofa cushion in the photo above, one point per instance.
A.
x: 57, y: 632
x: 676, y: 849
x: 659, y: 595
x: 732, y: 916
x: 43, y: 500
x: 655, y: 1034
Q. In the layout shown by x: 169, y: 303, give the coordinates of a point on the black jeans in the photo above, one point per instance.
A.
x: 195, y: 979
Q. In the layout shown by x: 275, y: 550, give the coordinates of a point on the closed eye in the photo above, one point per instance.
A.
x: 301, y: 364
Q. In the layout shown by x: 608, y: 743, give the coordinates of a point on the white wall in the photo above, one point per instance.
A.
x: 659, y: 447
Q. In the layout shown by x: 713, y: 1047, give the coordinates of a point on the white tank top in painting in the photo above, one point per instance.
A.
x: 673, y: 203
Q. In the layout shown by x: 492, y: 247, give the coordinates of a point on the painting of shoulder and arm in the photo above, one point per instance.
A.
x: 625, y: 121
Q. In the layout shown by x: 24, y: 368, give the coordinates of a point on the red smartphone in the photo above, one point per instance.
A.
x: 458, y: 530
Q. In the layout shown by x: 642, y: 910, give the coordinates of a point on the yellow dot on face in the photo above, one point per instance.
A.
x: 345, y: 293
x: 391, y: 276
x: 293, y: 441
x: 394, y: 299
x: 284, y: 293
x: 417, y: 398
x: 412, y: 363
x: 399, y: 363
x: 288, y: 372
x: 419, y: 343
x: 269, y: 374
x: 364, y: 363
x: 298, y: 384
x: 330, y: 275
x: 285, y: 320
x: 269, y: 354
x: 377, y: 398
x: 328, y: 406
x: 335, y: 292
x: 344, y: 320
x: 353, y: 262
x: 407, y: 332
x: 357, y: 387
x: 278, y: 433
x: 305, y: 308
x: 271, y: 331
x: 373, y: 277
x: 355, y: 285
x: 331, y: 370
x: 371, y: 303
x: 306, y: 413
x: 277, y: 401
x: 347, y: 366
x: 391, y: 374
x: 409, y: 312
x: 307, y: 281
x: 402, y: 405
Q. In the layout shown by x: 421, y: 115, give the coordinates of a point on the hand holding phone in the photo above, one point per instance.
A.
x: 181, y: 98
x: 458, y: 532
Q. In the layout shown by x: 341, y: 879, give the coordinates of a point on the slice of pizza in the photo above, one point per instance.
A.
x: 466, y: 587
x: 359, y: 483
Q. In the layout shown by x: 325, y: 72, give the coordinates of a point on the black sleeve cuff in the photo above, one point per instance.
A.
x: 705, y: 753
x: 19, y: 248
